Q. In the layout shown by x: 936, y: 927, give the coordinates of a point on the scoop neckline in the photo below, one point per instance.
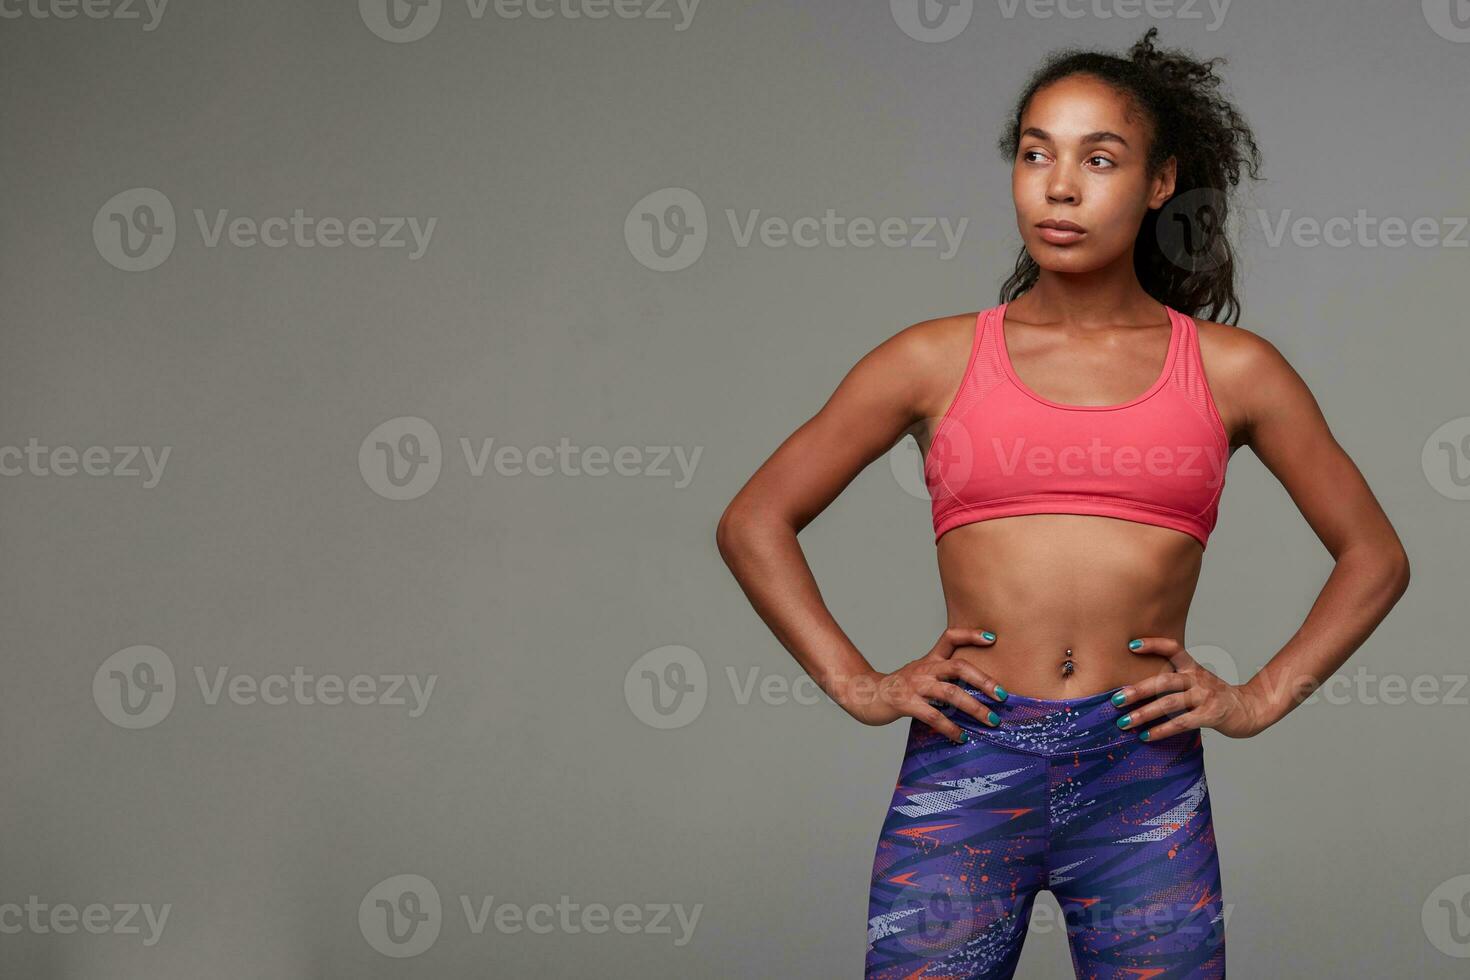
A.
x: 1175, y: 329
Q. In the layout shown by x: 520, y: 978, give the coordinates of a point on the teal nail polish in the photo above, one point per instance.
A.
x: 1123, y: 721
x: 1143, y: 735
x: 1134, y: 644
x: 1000, y: 692
x: 964, y: 737
x: 1118, y: 698
x: 993, y: 718
x: 987, y: 634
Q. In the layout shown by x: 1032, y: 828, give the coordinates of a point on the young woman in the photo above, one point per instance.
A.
x: 1075, y: 437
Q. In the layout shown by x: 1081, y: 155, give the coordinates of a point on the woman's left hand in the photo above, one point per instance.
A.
x: 1194, y: 695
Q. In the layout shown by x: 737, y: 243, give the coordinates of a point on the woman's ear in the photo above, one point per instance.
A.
x: 1163, y: 183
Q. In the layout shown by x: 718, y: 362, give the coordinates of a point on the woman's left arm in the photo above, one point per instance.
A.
x: 1283, y: 425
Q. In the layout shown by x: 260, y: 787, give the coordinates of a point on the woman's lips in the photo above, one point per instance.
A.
x: 1060, y: 236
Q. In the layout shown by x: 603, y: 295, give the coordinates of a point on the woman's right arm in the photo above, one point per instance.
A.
x: 878, y: 401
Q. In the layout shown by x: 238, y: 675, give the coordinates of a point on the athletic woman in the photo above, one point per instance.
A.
x: 1075, y: 439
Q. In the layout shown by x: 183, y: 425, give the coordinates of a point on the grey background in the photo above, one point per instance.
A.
x: 530, y: 776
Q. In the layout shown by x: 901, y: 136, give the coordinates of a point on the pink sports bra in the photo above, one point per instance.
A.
x: 1002, y: 450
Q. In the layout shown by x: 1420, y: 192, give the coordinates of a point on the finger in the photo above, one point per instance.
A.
x: 974, y: 676
x: 1168, y: 648
x: 1186, y: 722
x: 1143, y: 714
x: 936, y: 720
x: 959, y: 636
x: 1149, y: 687
x: 1157, y: 646
x: 948, y: 694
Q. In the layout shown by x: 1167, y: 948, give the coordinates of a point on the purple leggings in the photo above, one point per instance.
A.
x: 1058, y: 797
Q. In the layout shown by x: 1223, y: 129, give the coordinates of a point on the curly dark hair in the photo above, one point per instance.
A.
x: 1184, y: 260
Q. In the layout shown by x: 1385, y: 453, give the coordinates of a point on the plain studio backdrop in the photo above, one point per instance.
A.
x: 373, y: 378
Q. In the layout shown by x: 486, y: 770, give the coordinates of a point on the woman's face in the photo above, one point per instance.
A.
x: 1081, y: 162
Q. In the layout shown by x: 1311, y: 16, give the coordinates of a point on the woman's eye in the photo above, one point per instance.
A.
x: 1029, y: 154
x: 1104, y: 159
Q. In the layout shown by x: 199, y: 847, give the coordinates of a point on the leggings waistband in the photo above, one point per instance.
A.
x: 1047, y: 726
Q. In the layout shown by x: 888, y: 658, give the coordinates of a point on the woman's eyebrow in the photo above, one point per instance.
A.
x: 1101, y: 136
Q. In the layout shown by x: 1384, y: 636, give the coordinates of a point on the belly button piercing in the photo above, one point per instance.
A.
x: 1067, y: 665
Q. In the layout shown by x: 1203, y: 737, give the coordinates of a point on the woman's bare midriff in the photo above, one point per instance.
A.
x: 1043, y: 583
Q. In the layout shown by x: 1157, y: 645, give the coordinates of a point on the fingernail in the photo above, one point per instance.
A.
x: 988, y: 635
x: 1000, y: 692
x: 1119, y: 697
x: 1143, y: 735
x: 993, y: 718
x: 1123, y: 721
x: 1134, y: 644
x: 964, y: 737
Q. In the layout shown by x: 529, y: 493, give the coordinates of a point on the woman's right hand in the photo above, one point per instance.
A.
x: 879, y: 698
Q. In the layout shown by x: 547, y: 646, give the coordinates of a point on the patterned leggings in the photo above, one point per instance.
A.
x: 1058, y: 797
